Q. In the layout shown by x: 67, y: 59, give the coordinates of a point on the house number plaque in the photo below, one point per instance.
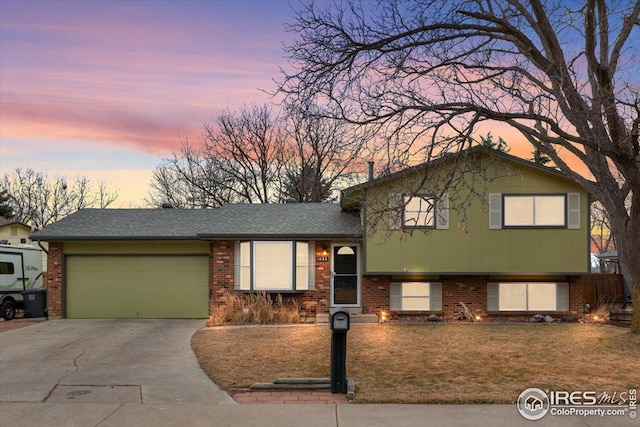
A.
x: 322, y: 259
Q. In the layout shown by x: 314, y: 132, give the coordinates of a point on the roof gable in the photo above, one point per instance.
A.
x: 350, y: 194
x: 4, y: 222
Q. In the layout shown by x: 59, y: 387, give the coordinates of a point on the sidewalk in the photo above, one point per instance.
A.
x: 343, y: 415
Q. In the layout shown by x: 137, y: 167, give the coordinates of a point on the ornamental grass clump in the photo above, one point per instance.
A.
x: 254, y: 308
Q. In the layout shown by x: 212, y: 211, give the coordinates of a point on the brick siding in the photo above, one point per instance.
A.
x: 375, y: 294
x: 221, y: 273
x: 55, y: 274
x: 576, y: 294
x: 221, y: 269
x: 319, y: 299
x: 471, y: 290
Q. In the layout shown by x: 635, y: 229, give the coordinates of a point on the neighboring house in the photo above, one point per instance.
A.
x: 520, y: 245
x: 19, y: 233
x: 14, y: 232
x: 611, y: 262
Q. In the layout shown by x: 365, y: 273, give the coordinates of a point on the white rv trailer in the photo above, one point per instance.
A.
x: 20, y: 270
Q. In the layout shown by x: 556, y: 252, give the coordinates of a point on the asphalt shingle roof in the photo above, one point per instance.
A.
x: 292, y: 220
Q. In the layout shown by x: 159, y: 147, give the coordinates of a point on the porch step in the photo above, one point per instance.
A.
x: 304, y: 384
x: 294, y: 384
x: 323, y: 318
x: 275, y: 386
x: 364, y: 318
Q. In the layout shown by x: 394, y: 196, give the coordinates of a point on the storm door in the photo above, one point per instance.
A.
x: 345, y: 276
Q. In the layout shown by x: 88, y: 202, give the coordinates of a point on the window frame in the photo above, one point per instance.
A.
x: 9, y: 268
x: 434, y: 293
x: 506, y: 196
x: 293, y: 265
x: 429, y: 198
x: 561, y: 292
x: 256, y: 265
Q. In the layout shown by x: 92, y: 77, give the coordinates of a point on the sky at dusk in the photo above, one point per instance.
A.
x: 107, y: 88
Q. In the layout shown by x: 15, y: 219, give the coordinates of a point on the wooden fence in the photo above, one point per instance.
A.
x: 603, y: 289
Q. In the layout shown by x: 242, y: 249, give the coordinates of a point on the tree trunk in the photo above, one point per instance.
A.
x: 627, y: 241
x: 635, y: 320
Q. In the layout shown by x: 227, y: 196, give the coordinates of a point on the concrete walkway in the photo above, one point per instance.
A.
x: 104, y: 361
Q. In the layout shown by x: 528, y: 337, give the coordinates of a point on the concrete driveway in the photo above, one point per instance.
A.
x: 104, y: 361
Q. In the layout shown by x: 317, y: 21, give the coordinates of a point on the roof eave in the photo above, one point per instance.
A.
x: 348, y: 236
x: 110, y: 238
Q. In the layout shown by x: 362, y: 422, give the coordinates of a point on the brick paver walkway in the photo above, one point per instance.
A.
x: 294, y: 397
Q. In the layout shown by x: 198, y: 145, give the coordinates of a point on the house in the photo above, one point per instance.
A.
x: 505, y: 236
x: 130, y: 263
x: 14, y: 232
x: 611, y: 262
x: 19, y: 233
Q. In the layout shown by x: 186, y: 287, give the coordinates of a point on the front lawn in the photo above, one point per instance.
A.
x: 431, y: 363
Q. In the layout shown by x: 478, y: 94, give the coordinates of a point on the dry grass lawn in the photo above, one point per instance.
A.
x: 439, y: 363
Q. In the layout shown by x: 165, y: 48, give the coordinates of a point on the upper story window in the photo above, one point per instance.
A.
x: 419, y: 211
x: 534, y: 211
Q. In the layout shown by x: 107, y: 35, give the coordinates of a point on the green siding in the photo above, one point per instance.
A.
x: 472, y: 247
x: 137, y: 286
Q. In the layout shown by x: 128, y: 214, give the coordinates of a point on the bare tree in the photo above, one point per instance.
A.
x: 248, y: 148
x: 256, y: 156
x: 321, y: 153
x: 38, y: 200
x: 238, y: 161
x: 191, y: 180
x: 562, y: 74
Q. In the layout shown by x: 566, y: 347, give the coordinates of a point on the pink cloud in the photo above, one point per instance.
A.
x: 104, y: 124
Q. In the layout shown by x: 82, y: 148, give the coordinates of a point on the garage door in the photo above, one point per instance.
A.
x: 165, y: 286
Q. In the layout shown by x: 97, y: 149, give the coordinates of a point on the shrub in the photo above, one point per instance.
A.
x: 255, y: 308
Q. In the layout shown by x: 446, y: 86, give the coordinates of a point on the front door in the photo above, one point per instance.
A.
x: 345, y: 276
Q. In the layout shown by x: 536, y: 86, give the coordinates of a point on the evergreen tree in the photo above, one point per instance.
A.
x: 540, y: 158
x: 6, y: 210
x: 488, y: 142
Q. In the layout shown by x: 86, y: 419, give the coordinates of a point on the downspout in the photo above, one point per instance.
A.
x: 43, y: 248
